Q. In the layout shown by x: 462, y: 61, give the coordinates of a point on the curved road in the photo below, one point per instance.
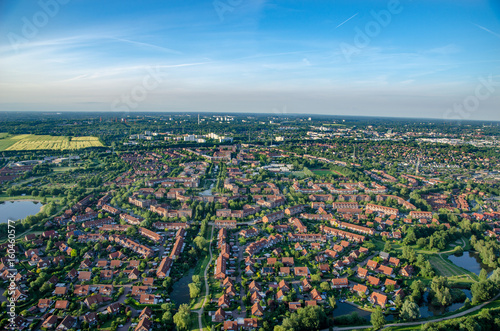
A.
x: 200, y: 311
x: 465, y: 312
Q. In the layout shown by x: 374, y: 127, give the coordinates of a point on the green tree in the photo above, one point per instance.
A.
x: 194, y: 290
x: 410, y: 310
x: 324, y: 286
x: 182, y: 317
x: 332, y: 301
x: 377, y: 319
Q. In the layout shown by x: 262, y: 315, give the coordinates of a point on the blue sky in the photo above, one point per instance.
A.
x: 404, y: 58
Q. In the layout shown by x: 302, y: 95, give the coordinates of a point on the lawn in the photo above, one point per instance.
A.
x: 322, y: 172
x: 26, y: 142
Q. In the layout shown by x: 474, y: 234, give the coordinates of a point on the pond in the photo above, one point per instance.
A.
x: 18, y: 210
x: 428, y: 310
x: 180, y: 289
x: 343, y: 308
x: 470, y: 261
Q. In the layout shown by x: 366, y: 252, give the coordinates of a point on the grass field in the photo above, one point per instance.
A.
x: 27, y: 142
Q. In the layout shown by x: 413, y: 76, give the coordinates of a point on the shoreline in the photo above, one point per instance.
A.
x: 2, y: 202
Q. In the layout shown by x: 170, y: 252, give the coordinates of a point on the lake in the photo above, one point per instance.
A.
x: 470, y: 261
x: 180, y: 289
x: 18, y: 210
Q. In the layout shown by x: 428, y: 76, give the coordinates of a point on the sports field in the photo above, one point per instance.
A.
x: 27, y: 142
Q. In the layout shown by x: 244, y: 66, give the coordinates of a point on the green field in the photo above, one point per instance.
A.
x: 322, y: 172
x: 27, y: 142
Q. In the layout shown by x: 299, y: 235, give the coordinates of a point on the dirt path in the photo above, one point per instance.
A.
x: 200, y: 311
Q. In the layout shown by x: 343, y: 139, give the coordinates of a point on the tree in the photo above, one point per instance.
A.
x: 483, y: 291
x: 377, y: 319
x: 167, y: 317
x: 316, y: 278
x: 332, y: 301
x: 182, y: 317
x: 324, y: 286
x: 410, y: 310
x: 200, y: 242
x: 387, y: 247
x: 194, y: 290
x: 74, y: 253
x: 483, y: 275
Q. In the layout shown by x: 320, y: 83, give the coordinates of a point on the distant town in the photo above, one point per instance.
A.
x: 163, y: 221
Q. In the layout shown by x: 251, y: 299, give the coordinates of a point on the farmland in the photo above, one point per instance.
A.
x: 26, y: 142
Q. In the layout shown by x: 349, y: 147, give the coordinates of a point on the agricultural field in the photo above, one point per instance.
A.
x: 26, y: 142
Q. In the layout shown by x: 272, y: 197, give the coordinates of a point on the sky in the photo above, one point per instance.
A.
x: 425, y: 58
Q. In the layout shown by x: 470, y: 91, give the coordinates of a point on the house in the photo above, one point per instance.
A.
x: 407, y: 271
x: 284, y: 271
x: 43, y: 304
x: 20, y: 323
x: 257, y: 310
x: 84, y: 276
x: 67, y: 323
x: 81, y: 290
x: 62, y: 304
x: 385, y: 270
x: 301, y: 272
x: 146, y: 313
x: 360, y: 289
x: 293, y: 306
x: 227, y: 282
x: 106, y: 290
x: 147, y: 299
x: 94, y: 299
x: 134, y: 274
x: 114, y: 308
x: 231, y: 325
x: 249, y: 270
x: 324, y: 267
x: 394, y: 261
x: 390, y: 282
x: 373, y: 281
x: 90, y: 318
x: 385, y: 256
x: 139, y: 290
x: 256, y: 297
x: 106, y: 274
x: 372, y: 265
x: 378, y: 299
x: 223, y: 301
x: 148, y: 281
x: 60, y: 290
x: 340, y: 283
x: 219, y: 316
x: 144, y: 325
x: 306, y: 286
x: 50, y: 322
x: 86, y: 264
x: 254, y: 287
x: 315, y: 295
x: 231, y: 291
x: 283, y: 286
x: 280, y: 295
x: 362, y: 272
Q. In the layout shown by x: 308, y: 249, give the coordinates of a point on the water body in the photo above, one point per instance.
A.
x: 180, y: 289
x: 427, y: 310
x: 470, y: 261
x: 343, y: 308
x: 18, y: 210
